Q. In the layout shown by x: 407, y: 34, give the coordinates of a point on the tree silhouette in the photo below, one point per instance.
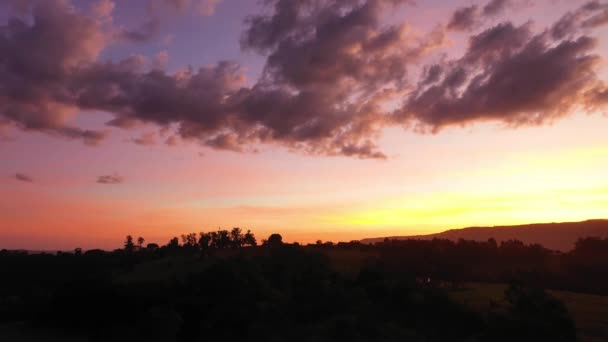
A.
x: 140, y: 242
x: 288, y: 292
x: 152, y: 246
x: 249, y: 239
x: 129, y: 245
x: 236, y: 237
x: 189, y: 241
x: 275, y: 240
x: 204, y: 242
x: 173, y: 244
x: 221, y: 239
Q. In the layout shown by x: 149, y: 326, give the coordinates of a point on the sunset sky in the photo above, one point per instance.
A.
x: 319, y: 119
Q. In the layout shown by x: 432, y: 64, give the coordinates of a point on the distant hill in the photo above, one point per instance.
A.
x: 556, y: 236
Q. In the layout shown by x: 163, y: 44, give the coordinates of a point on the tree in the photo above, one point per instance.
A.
x: 129, y: 245
x: 140, y: 241
x: 236, y: 237
x: 189, y: 240
x: 204, y: 241
x: 173, y: 244
x: 249, y: 239
x: 532, y: 315
x: 275, y: 240
x: 221, y: 239
x: 152, y: 246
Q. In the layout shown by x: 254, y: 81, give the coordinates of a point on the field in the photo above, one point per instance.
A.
x: 590, y: 312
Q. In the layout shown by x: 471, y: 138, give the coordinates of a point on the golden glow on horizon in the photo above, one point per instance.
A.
x: 568, y: 185
x: 462, y: 209
x: 519, y: 184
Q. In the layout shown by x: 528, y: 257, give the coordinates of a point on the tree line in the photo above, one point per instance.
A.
x: 221, y: 285
x: 204, y: 241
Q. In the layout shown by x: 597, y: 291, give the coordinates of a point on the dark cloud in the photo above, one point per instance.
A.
x: 464, y: 18
x: 496, y: 7
x: 147, y: 31
x: 319, y: 94
x: 508, y: 74
x: 328, y: 63
x: 23, y: 177
x: 36, y: 68
x: 110, y: 179
x: 331, y: 67
x: 471, y: 17
x: 591, y: 15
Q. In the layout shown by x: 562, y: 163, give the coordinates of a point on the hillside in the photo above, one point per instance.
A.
x: 556, y: 236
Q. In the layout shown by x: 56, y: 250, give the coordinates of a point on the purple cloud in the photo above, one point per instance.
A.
x: 23, y: 177
x: 110, y: 179
x: 331, y: 67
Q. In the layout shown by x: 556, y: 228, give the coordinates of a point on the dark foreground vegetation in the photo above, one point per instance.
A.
x: 224, y: 286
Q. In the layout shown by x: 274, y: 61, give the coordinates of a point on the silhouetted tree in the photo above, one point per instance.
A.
x: 221, y: 239
x: 236, y: 237
x: 275, y: 240
x: 173, y: 244
x: 249, y: 239
x: 295, y: 293
x: 140, y: 242
x: 129, y: 245
x: 152, y: 246
x: 204, y: 242
x: 189, y: 241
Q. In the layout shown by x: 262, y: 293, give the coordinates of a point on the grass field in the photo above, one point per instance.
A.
x: 590, y: 312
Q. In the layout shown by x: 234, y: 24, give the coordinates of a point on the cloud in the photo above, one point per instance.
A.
x: 207, y: 7
x: 319, y: 95
x: 21, y: 7
x: 172, y: 141
x: 335, y: 74
x: 495, y: 7
x: 103, y: 8
x: 471, y: 17
x: 464, y: 18
x: 160, y: 60
x: 23, y: 177
x: 146, y: 31
x: 146, y: 139
x: 510, y: 75
x: 36, y: 68
x: 591, y: 15
x: 321, y: 92
x: 202, y: 7
x: 110, y: 179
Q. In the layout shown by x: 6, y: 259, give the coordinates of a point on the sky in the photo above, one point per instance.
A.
x: 326, y: 120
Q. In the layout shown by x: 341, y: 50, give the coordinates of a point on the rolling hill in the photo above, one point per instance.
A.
x: 556, y: 236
